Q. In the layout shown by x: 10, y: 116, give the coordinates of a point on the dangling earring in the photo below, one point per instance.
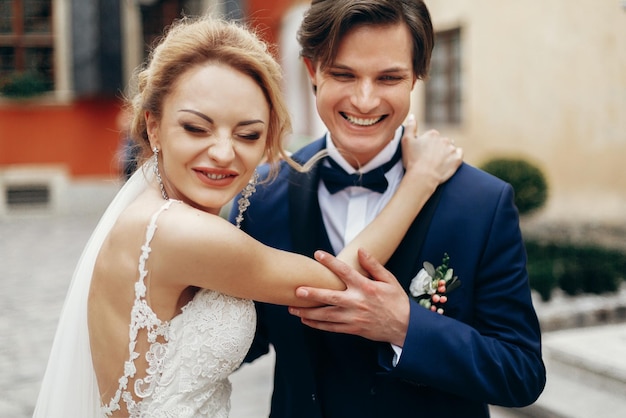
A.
x: 155, y: 150
x: 244, y: 201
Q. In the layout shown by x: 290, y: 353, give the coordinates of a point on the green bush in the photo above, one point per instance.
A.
x: 575, y: 269
x: 26, y: 84
x: 529, y: 183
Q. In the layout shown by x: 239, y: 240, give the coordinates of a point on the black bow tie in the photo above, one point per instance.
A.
x: 335, y: 178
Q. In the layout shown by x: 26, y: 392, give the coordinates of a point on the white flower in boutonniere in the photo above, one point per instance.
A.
x: 431, y: 285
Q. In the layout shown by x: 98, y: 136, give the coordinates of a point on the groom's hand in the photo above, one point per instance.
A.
x: 376, y: 309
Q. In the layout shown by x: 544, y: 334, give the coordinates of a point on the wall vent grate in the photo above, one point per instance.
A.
x: 27, y: 195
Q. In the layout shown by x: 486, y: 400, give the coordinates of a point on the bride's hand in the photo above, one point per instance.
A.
x: 429, y: 154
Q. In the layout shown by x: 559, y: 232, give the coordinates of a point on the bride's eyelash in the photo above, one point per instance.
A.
x: 253, y: 136
x: 196, y: 129
x: 193, y: 128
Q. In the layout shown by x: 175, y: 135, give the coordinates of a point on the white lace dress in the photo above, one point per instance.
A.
x: 190, y: 357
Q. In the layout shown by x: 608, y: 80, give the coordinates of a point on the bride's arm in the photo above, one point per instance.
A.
x: 204, y: 250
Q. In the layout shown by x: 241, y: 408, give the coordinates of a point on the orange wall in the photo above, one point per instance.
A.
x: 266, y: 15
x: 83, y: 135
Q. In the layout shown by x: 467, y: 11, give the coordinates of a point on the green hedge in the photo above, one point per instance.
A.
x: 575, y: 269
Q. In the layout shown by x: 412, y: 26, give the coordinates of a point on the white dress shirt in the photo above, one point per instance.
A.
x: 349, y: 211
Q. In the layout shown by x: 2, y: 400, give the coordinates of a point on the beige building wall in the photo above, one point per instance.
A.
x: 545, y: 80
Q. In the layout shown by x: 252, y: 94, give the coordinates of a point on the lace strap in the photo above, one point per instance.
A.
x: 140, y: 286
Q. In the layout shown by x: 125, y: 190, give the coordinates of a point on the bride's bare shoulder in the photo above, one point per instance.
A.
x: 184, y: 224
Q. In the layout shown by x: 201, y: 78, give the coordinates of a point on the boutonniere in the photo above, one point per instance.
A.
x: 431, y: 285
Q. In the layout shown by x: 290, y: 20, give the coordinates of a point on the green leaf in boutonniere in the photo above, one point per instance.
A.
x: 431, y: 285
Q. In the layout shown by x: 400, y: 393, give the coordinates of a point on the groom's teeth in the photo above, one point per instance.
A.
x: 362, y: 121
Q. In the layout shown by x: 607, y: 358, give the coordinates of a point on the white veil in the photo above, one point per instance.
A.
x: 69, y: 387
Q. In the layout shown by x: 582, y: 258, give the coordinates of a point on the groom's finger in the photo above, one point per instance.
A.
x: 322, y: 314
x: 346, y: 274
x: 320, y: 297
x: 376, y: 270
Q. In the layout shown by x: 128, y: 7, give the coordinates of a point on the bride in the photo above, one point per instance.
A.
x: 159, y: 312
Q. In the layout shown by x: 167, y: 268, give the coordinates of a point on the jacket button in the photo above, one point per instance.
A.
x: 313, y: 397
x: 373, y: 391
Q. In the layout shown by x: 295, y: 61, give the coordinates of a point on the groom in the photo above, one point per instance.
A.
x: 373, y: 350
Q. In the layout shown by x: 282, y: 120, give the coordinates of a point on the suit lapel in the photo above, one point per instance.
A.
x: 305, y: 217
x: 404, y: 263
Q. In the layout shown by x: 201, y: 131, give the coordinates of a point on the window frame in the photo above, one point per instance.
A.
x: 443, y: 89
x: 20, y: 40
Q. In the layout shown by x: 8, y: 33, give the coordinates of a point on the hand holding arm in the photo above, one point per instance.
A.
x: 374, y: 309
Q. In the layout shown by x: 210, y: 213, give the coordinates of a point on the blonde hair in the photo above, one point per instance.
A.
x: 194, y: 41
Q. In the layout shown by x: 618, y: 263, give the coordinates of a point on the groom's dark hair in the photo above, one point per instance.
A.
x: 327, y: 21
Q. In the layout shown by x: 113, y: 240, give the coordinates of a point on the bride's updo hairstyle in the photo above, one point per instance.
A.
x: 194, y: 41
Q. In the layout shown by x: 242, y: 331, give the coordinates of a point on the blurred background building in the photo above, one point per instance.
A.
x: 544, y: 80
x: 539, y: 80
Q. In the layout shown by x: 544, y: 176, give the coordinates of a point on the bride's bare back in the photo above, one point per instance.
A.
x: 183, y: 342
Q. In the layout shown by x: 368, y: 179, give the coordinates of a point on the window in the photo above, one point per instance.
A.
x: 443, y: 88
x: 158, y: 16
x: 26, y: 42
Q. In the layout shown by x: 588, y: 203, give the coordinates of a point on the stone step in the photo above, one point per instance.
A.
x: 586, y: 374
x: 592, y: 356
x: 567, y: 398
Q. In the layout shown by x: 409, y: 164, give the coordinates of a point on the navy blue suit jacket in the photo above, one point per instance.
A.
x: 486, y: 349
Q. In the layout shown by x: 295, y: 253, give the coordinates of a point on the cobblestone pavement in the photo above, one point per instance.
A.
x: 37, y: 259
